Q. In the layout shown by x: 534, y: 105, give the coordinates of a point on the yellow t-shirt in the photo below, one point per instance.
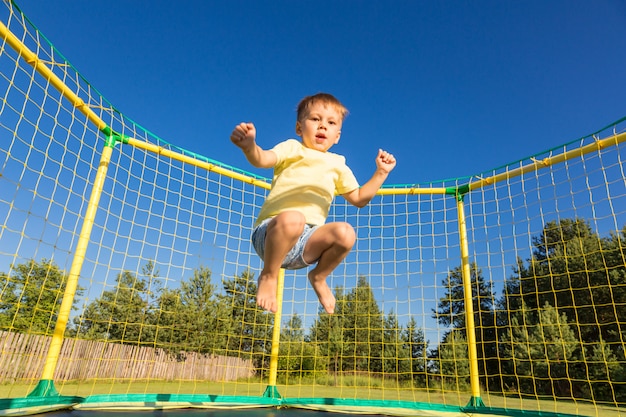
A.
x: 306, y: 180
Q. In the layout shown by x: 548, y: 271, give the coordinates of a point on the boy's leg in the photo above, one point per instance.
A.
x: 282, y: 234
x: 329, y: 244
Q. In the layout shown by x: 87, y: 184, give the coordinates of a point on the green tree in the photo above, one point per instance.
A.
x: 327, y: 334
x: 207, y: 319
x: 362, y: 325
x: 397, y: 360
x: 451, y: 311
x: 192, y: 317
x: 294, y: 329
x: 122, y: 314
x: 581, y: 274
x: 31, y: 296
x: 250, y: 335
x: 451, y: 361
x: 352, y: 337
x: 605, y: 374
x: 298, y: 357
x: 168, y: 320
x: 415, y: 341
x: 543, y: 349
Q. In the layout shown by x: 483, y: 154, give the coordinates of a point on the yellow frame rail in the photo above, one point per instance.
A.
x: 536, y: 165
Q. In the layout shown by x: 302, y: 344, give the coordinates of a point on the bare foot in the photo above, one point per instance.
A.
x: 325, y: 295
x: 266, y: 293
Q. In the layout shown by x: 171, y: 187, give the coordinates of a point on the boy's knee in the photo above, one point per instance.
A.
x: 346, y: 236
x: 289, y: 224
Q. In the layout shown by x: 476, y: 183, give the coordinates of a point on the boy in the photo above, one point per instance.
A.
x: 290, y: 231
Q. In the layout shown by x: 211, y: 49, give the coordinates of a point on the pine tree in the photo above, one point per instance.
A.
x: 31, y: 296
x: 120, y: 315
x: 250, y: 335
x: 543, y: 349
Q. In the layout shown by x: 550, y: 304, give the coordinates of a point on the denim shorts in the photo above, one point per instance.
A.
x: 295, y: 257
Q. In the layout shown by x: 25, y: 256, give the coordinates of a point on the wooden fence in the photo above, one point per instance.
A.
x: 22, y: 357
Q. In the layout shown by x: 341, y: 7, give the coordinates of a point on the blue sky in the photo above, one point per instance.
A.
x: 452, y: 88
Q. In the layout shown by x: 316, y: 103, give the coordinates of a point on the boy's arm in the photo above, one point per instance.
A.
x: 244, y: 136
x: 385, y: 162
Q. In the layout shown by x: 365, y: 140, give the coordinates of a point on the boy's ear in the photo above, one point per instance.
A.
x: 298, y: 128
x: 338, y: 137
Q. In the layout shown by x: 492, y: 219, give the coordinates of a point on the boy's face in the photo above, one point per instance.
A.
x: 320, y: 128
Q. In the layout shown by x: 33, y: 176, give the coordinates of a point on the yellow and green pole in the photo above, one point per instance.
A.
x: 45, y: 387
x: 475, y: 400
x: 271, y: 391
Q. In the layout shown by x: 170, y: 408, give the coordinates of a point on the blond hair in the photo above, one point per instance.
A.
x: 324, y: 98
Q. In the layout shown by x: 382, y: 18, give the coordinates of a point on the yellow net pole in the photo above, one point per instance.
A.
x: 469, y: 306
x: 271, y: 390
x: 77, y: 264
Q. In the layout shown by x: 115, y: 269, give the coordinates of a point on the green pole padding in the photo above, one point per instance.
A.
x: 475, y: 402
x: 459, y: 191
x: 112, y: 137
x: 271, y: 392
x: 44, y: 388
